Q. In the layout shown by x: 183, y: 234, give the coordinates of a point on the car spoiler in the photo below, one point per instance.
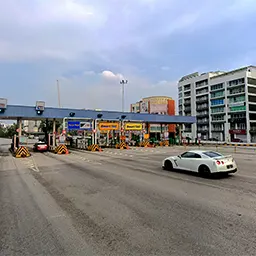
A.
x: 223, y: 157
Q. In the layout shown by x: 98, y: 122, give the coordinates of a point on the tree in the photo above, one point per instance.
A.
x: 46, y: 127
x: 11, y: 130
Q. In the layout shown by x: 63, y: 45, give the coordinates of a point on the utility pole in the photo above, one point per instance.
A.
x: 58, y: 88
x: 123, y: 82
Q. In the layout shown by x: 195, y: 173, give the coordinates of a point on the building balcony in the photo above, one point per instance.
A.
x: 235, y: 94
x: 237, y: 120
x: 218, y: 121
x: 200, y: 122
x: 205, y: 100
x: 202, y: 115
x: 217, y: 129
x: 217, y: 97
x: 186, y: 103
x: 202, y: 108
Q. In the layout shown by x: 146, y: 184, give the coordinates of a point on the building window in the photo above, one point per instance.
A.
x: 237, y: 99
x: 217, y: 94
x: 252, y: 89
x: 217, y: 102
x: 218, y: 110
x: 236, y: 82
x: 238, y: 108
x: 217, y: 86
x: 251, y: 81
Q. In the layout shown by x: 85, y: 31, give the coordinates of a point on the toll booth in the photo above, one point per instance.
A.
x: 108, y: 133
x: 19, y: 147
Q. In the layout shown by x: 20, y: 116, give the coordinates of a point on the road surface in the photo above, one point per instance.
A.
x: 121, y: 203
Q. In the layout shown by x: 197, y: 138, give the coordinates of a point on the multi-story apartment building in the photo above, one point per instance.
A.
x: 223, y: 102
x: 31, y: 126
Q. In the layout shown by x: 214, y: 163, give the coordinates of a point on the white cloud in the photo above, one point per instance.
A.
x: 110, y: 75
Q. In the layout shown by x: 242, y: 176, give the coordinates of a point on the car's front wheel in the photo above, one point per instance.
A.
x: 168, y: 165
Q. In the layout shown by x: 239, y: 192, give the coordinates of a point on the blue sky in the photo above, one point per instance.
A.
x: 89, y: 45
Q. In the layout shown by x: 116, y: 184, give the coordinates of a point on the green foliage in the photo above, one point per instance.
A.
x: 9, y: 131
x: 47, y: 126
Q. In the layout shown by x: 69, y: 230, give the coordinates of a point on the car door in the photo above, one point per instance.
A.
x: 184, y: 161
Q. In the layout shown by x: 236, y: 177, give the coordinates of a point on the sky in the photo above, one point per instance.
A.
x: 90, y: 45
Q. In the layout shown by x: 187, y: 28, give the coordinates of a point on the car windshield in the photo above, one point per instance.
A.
x: 212, y: 154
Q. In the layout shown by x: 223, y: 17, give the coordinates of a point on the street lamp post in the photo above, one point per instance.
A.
x: 123, y: 82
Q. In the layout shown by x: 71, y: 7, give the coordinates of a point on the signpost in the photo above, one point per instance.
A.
x: 77, y: 125
x: 108, y: 126
x: 133, y: 127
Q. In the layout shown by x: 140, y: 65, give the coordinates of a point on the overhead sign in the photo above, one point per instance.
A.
x: 40, y: 105
x: 109, y: 126
x: 133, y: 127
x: 73, y: 125
x: 3, y: 103
x: 85, y: 125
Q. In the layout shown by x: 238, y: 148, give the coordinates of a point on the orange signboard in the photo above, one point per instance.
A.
x: 108, y: 126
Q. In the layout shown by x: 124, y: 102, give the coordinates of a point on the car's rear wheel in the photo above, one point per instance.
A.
x: 168, y: 165
x: 204, y: 170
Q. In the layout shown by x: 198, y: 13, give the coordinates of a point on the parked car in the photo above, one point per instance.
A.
x: 40, y: 146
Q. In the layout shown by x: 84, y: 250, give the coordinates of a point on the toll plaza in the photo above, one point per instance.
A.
x: 89, y: 129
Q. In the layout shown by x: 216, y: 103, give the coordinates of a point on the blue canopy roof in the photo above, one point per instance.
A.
x: 29, y: 112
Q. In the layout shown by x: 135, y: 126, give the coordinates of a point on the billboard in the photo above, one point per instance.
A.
x: 144, y: 107
x: 108, y: 126
x: 161, y: 109
x: 133, y: 127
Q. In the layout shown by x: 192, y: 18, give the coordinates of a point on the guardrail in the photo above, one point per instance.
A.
x: 222, y: 143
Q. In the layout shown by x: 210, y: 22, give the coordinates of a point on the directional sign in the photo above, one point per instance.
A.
x: 85, y: 125
x: 73, y: 125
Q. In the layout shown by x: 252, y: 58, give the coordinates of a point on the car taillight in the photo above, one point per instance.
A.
x: 222, y: 162
x: 218, y: 162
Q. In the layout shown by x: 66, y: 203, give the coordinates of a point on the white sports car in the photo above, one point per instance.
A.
x: 203, y: 162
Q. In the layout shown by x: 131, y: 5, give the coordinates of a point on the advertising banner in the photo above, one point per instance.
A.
x: 133, y: 127
x: 158, y: 109
x: 144, y: 107
x: 108, y: 126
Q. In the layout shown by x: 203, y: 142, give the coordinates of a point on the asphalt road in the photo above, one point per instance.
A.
x: 122, y: 203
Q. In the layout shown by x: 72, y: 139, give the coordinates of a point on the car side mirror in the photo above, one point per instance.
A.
x: 179, y: 156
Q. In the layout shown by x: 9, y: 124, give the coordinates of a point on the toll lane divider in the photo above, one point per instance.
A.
x: 122, y: 145
x: 61, y: 150
x: 94, y: 147
x: 21, y: 152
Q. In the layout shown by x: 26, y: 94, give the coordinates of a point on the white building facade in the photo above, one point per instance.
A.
x: 223, y: 102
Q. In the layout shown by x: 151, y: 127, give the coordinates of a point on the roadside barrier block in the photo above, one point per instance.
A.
x: 94, y: 147
x: 61, y: 150
x: 122, y: 145
x: 21, y: 152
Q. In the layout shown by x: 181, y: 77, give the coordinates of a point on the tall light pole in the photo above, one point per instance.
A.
x: 58, y: 88
x: 123, y: 82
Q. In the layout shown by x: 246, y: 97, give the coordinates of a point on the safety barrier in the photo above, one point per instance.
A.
x: 61, y: 150
x: 94, y: 147
x: 122, y: 145
x: 240, y: 145
x: 164, y: 143
x: 22, y: 152
x: 145, y: 143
